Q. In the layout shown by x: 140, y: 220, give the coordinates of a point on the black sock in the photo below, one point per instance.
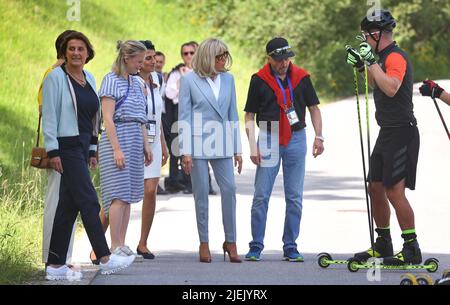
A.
x: 384, y: 232
x: 409, y: 235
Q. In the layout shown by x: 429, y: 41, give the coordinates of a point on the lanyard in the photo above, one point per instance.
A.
x: 282, y: 90
x: 153, y: 101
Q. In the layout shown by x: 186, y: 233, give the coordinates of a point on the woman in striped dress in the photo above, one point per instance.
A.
x: 121, y: 164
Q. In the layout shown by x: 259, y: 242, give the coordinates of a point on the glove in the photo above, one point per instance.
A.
x: 365, y: 50
x: 430, y: 88
x: 353, y: 58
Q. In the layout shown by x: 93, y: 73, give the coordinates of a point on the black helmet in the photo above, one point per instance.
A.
x: 379, y: 19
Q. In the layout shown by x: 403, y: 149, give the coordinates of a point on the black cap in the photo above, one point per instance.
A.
x: 278, y: 48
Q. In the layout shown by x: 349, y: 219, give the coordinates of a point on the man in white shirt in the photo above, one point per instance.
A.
x: 176, y: 180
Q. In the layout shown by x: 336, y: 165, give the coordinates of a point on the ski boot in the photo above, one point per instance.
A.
x: 410, y: 255
x: 381, y: 248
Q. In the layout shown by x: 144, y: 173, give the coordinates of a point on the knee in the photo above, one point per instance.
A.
x: 376, y: 190
x: 394, y: 194
x: 228, y: 188
x: 260, y: 200
x: 150, y: 192
x: 93, y: 208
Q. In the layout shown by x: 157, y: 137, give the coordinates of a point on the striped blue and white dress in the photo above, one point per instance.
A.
x: 126, y: 184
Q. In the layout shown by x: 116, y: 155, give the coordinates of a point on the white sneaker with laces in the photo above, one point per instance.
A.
x: 63, y: 273
x: 118, y: 260
x: 139, y: 258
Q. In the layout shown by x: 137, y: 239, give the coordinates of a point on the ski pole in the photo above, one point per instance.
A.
x: 442, y: 118
x: 366, y: 92
x: 369, y: 211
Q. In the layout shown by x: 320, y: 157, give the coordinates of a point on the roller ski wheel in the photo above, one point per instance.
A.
x: 353, y: 265
x: 432, y: 265
x: 424, y: 280
x: 408, y: 279
x: 325, y: 260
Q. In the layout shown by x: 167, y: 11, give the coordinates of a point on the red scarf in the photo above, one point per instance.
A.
x: 295, y: 75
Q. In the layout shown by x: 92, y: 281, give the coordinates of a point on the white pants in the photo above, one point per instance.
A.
x: 50, y: 205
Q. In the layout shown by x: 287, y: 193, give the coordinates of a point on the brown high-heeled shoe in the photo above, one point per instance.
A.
x: 205, y: 255
x: 231, y: 249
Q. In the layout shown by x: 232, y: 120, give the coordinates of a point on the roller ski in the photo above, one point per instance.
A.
x: 423, y: 279
x: 410, y: 258
x: 381, y: 248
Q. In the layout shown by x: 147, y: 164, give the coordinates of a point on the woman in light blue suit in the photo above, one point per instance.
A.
x: 209, y: 132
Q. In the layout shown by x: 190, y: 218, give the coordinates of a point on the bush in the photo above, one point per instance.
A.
x: 319, y: 31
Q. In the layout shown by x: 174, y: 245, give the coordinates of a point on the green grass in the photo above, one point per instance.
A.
x: 20, y: 227
x: 28, y: 31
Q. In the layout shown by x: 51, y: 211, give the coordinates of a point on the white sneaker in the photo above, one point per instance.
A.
x: 117, y: 261
x: 63, y: 273
x: 139, y: 258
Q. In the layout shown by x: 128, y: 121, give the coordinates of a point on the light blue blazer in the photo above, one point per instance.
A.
x: 59, y: 109
x: 208, y: 128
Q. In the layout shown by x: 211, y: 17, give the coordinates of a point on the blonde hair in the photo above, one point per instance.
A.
x: 204, y: 60
x: 129, y: 48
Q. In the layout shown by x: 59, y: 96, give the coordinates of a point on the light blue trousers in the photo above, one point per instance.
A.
x: 223, y: 172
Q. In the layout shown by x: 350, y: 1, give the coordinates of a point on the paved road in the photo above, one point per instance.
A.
x: 334, y: 217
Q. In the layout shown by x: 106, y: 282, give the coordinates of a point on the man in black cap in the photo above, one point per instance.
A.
x: 279, y: 94
x: 394, y: 158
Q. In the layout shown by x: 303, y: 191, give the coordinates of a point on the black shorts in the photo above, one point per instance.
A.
x: 395, y: 156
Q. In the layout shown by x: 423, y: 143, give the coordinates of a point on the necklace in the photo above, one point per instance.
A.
x: 81, y: 80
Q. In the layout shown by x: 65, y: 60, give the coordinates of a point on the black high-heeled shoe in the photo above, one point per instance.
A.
x: 94, y: 261
x: 145, y: 255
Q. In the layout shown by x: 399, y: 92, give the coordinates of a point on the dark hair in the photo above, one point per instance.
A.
x: 148, y: 44
x: 59, y: 41
x: 159, y: 53
x: 192, y: 43
x: 79, y: 36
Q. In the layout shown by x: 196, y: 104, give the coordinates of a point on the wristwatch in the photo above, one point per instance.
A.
x: 320, y: 138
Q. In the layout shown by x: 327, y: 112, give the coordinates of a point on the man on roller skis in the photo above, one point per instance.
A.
x: 394, y: 158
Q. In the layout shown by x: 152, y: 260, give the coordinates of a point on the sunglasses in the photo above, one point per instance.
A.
x: 280, y: 51
x: 365, y: 34
x: 188, y: 53
x: 222, y: 56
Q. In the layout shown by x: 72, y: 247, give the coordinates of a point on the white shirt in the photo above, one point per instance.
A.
x: 158, y: 104
x: 172, y: 87
x: 215, y: 85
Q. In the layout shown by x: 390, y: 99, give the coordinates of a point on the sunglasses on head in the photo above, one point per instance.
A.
x: 280, y: 51
x: 188, y: 53
x: 222, y: 56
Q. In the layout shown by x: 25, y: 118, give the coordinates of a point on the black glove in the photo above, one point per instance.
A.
x: 430, y: 88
